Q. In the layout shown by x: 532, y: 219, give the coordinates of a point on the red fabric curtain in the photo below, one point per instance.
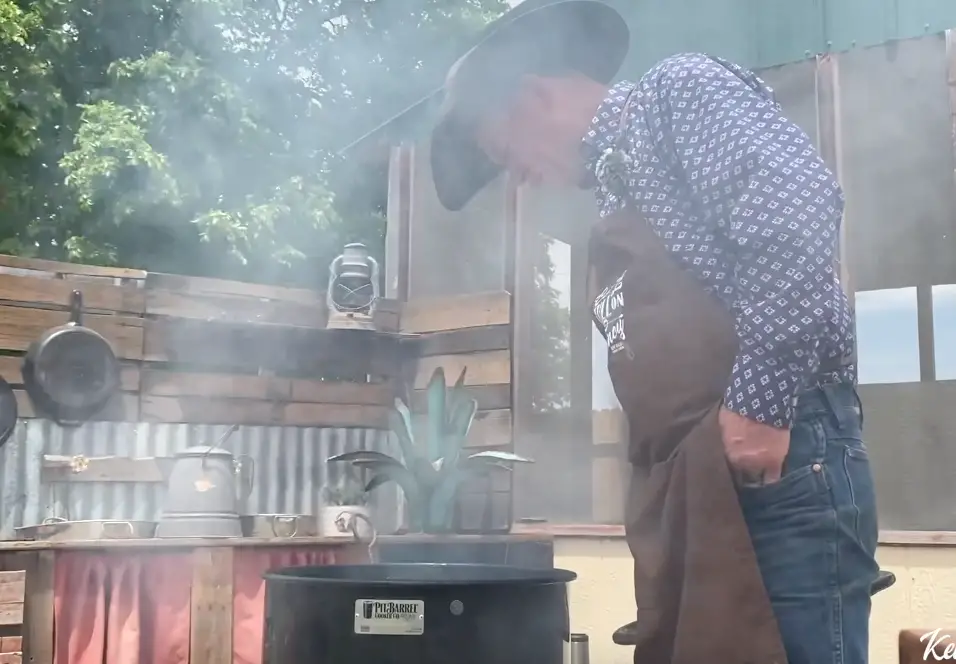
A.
x: 111, y: 608
x: 250, y: 592
x: 134, y: 607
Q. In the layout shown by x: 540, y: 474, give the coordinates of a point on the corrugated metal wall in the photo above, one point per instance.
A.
x: 289, y: 462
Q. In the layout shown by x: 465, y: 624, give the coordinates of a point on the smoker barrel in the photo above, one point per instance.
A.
x: 418, y: 613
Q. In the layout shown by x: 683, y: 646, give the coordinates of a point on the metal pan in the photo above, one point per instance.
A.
x: 71, y: 372
x: 55, y: 529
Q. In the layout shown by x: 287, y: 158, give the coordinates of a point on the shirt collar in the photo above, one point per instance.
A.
x: 603, y: 131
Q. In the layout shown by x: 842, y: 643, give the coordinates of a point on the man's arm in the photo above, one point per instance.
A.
x: 758, y: 181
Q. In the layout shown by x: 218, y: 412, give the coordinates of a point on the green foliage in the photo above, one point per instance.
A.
x: 433, y: 466
x: 347, y: 491
x: 197, y: 136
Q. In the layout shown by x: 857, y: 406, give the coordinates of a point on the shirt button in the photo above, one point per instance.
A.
x: 816, y: 467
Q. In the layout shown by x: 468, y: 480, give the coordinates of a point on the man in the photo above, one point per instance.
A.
x: 742, y: 200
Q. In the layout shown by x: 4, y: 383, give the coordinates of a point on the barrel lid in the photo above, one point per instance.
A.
x: 422, y: 574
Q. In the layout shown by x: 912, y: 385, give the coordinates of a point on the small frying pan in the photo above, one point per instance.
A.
x: 71, y: 372
x: 8, y: 411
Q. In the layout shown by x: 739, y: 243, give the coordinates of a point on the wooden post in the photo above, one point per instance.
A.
x: 210, y: 630
x: 830, y: 139
x: 38, y: 646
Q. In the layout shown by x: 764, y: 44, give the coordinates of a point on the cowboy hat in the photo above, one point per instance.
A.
x: 585, y: 36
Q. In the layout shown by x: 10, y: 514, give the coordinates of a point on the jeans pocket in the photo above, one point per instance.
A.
x: 805, y: 485
x: 860, y: 499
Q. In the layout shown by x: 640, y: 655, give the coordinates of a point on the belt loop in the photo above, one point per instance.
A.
x: 835, y: 413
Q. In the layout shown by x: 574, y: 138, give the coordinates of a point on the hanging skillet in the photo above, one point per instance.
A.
x: 70, y: 372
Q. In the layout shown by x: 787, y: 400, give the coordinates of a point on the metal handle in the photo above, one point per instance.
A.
x: 348, y: 522
x: 282, y: 518
x: 76, y: 308
x: 579, y: 649
x: 119, y: 526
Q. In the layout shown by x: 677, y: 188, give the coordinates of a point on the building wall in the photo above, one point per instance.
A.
x: 602, y: 599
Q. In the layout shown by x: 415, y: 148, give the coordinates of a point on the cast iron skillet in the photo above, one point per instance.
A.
x: 70, y: 372
x: 8, y: 411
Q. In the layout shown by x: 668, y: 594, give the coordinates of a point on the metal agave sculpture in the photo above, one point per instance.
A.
x: 430, y: 474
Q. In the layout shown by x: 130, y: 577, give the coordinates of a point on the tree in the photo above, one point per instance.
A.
x: 197, y: 136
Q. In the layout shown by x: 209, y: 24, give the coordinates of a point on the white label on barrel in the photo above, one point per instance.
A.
x: 396, y: 617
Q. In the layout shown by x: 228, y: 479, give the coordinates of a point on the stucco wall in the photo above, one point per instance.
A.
x: 602, y: 600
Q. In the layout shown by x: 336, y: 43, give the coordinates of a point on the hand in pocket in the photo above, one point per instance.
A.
x: 756, y: 452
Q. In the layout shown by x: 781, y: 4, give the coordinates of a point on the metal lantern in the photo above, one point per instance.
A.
x: 353, y: 289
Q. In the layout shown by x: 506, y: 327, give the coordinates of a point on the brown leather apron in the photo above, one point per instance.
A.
x: 671, y: 348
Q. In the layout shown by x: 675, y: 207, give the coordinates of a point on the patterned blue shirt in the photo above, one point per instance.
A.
x: 741, y: 196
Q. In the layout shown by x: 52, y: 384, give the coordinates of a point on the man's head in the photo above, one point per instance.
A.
x: 522, y: 99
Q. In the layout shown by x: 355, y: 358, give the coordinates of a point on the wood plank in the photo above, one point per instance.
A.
x: 55, y: 468
x: 168, y: 383
x: 242, y: 302
x: 608, y: 426
x: 57, y: 267
x: 216, y: 287
x: 38, y: 609
x: 11, y: 613
x: 489, y: 397
x: 452, y: 313
x: 491, y: 428
x: 284, y: 350
x: 124, y: 407
x: 20, y: 326
x: 233, y: 309
x: 12, y: 586
x: 609, y: 483
x: 57, y: 292
x: 491, y: 368
x: 369, y: 394
x: 11, y: 365
x: 212, y: 410
x: 466, y: 340
x: 210, y: 625
x: 11, y: 644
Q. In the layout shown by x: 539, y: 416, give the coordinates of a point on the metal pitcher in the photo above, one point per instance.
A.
x: 207, y: 489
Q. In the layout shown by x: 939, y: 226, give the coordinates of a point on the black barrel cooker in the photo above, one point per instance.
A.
x: 416, y: 613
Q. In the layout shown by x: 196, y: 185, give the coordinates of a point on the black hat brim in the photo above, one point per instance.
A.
x: 586, y: 36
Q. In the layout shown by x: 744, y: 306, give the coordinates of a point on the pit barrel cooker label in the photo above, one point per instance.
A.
x: 395, y: 617
x: 609, y: 314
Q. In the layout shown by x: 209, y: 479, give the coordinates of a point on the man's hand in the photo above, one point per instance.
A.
x: 756, y: 452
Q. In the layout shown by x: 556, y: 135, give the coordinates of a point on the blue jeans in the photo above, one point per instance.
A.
x: 815, y: 532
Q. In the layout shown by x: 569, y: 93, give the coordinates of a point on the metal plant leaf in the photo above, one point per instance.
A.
x: 377, y: 481
x: 391, y: 471
x: 435, y: 417
x: 363, y: 455
x: 400, y: 422
x: 442, y: 501
x: 459, y: 424
x: 499, y: 457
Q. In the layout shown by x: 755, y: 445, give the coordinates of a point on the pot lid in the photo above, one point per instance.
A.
x: 204, y: 450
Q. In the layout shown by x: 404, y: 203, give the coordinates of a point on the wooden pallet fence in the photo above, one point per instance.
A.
x: 35, y: 296
x: 198, y: 350
x: 219, y: 351
x: 466, y: 331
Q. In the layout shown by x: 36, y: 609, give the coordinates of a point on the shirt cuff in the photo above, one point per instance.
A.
x: 762, y: 392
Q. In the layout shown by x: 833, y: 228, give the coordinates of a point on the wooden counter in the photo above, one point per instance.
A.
x: 161, y: 601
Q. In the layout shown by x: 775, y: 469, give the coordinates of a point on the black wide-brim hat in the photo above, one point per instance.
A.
x: 585, y: 36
